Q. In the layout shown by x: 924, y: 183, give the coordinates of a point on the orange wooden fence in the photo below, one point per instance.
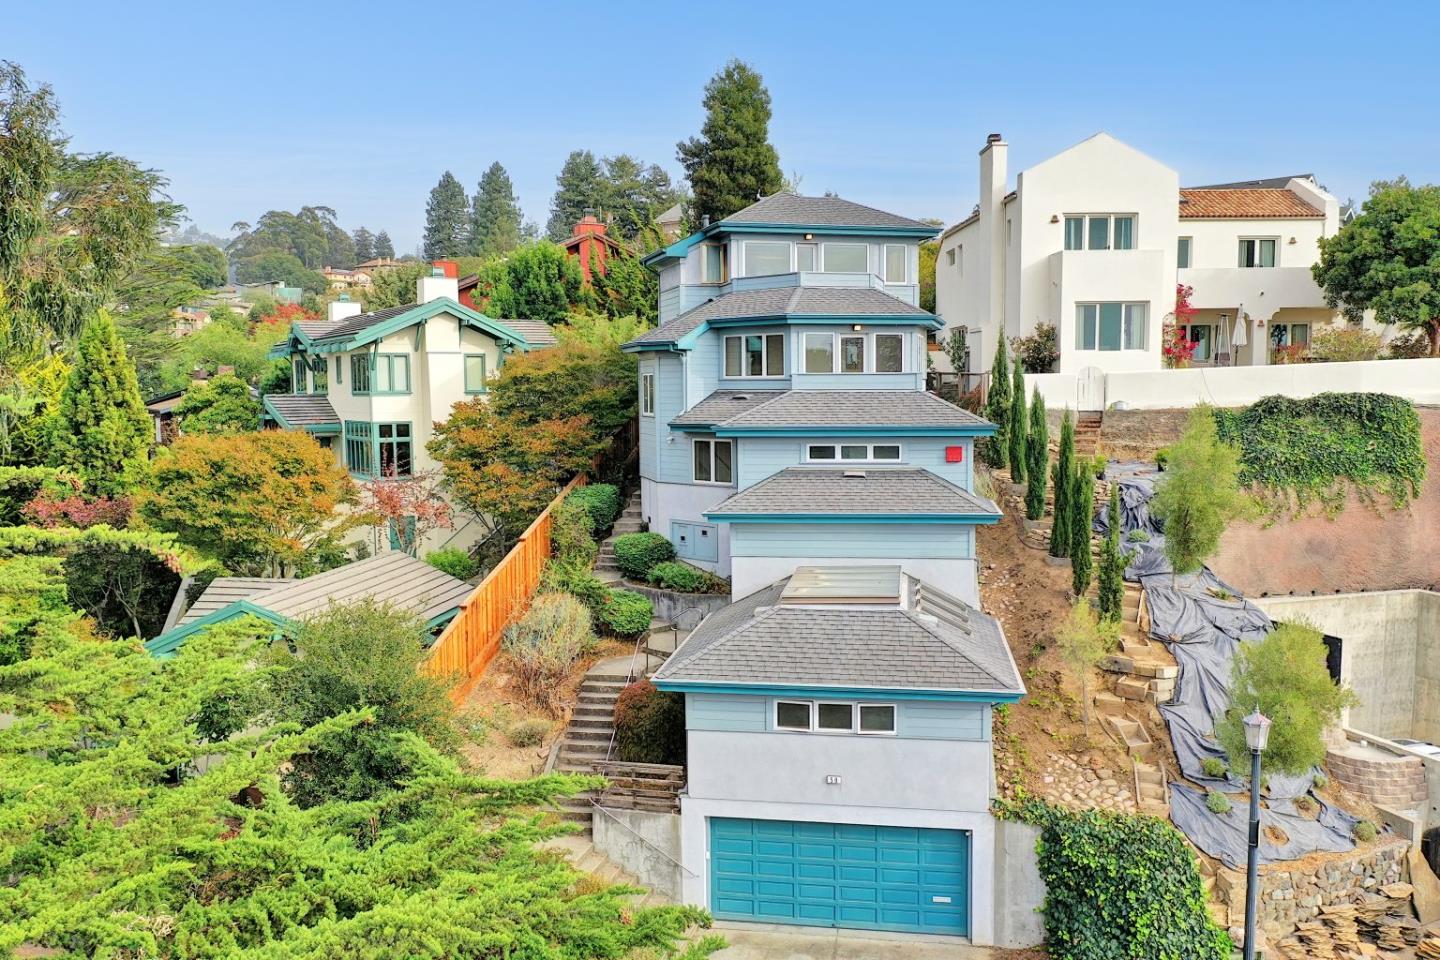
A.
x: 472, y: 639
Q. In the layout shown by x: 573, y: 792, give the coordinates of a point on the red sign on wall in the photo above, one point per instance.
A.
x: 954, y: 454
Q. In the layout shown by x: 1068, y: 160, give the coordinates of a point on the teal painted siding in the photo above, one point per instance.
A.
x: 708, y: 711
x: 761, y: 457
x: 673, y: 459
x: 649, y: 428
x: 936, y: 720
x: 879, y: 541
x: 670, y: 304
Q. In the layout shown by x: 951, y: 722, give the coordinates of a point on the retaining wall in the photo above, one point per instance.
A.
x: 685, y: 610
x: 1019, y: 888
x: 645, y: 844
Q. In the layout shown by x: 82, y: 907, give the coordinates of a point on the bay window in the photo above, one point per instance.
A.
x: 897, y: 263
x: 766, y: 257
x: 299, y: 380
x: 889, y: 353
x: 846, y: 258
x: 360, y: 373
x: 755, y: 355
x: 1110, y: 326
x: 819, y: 352
x: 713, y: 266
x: 852, y: 354
x: 807, y: 257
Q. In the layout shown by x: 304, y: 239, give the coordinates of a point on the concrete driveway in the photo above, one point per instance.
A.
x: 758, y: 941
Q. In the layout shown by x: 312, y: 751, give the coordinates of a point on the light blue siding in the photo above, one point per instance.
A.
x: 702, y: 369
x: 708, y: 711
x: 760, y: 457
x: 859, y: 381
x: 765, y: 457
x: 938, y: 720
x: 879, y: 541
x: 673, y: 459
x: 670, y: 304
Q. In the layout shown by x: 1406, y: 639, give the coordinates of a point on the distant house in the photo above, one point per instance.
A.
x: 187, y: 319
x: 274, y: 289
x: 591, y: 245
x: 671, y: 222
x: 345, y: 279
x: 379, y: 263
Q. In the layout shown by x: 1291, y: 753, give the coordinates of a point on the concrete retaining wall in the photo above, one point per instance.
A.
x: 1019, y: 889
x: 685, y: 610
x: 645, y: 844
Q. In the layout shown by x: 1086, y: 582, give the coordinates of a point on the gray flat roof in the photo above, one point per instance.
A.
x: 857, y: 490
x: 722, y: 405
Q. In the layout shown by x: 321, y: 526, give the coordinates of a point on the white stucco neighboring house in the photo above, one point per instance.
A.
x: 1096, y: 239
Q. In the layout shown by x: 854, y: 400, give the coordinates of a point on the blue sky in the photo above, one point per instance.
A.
x: 360, y: 106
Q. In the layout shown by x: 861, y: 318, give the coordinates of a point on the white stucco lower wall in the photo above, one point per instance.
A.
x: 958, y: 577
x: 661, y: 503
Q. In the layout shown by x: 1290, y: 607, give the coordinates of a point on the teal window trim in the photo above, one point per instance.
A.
x: 360, y: 453
x: 398, y: 448
x: 388, y: 362
x: 360, y: 378
x: 471, y: 386
x: 320, y: 375
x: 299, y: 374
x: 339, y: 370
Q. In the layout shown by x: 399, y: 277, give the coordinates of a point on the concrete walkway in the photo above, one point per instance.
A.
x: 759, y: 941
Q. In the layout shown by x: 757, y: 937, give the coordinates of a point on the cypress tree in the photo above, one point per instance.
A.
x: 494, y: 215
x: 1037, y: 458
x: 997, y: 408
x: 384, y: 249
x: 447, y: 221
x: 1061, y: 478
x: 1112, y: 564
x: 1016, y: 425
x: 1082, y: 506
x: 102, y: 432
x: 732, y: 163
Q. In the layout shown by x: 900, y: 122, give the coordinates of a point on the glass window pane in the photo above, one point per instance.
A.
x: 887, y: 451
x: 852, y: 354
x: 846, y: 258
x: 402, y: 374
x: 822, y: 452
x: 819, y: 353
x: 474, y: 373
x: 1267, y: 253
x: 1300, y: 333
x: 775, y: 355
x: 1110, y: 314
x: 877, y: 719
x: 835, y: 716
x: 754, y: 356
x: 714, y: 271
x: 1124, y: 233
x: 1135, y: 314
x: 1247, y: 253
x: 724, y: 463
x: 765, y: 258
x: 1182, y: 253
x: 805, y: 256
x: 1074, y: 233
x: 1085, y: 317
x: 702, y: 459
x: 382, y: 373
x: 732, y: 356
x: 895, y: 263
x: 1099, y: 233
x: 792, y: 716
x: 889, y: 353
x: 856, y: 451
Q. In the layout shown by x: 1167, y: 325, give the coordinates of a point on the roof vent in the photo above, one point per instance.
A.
x: 993, y: 138
x: 855, y: 474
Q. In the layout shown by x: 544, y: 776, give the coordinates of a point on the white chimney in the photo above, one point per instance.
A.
x: 435, y: 286
x: 993, y: 178
x: 343, y: 307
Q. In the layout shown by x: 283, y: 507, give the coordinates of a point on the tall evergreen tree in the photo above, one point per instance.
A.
x: 1037, y: 458
x: 732, y: 163
x: 494, y: 215
x: 1016, y: 426
x: 364, y: 245
x: 102, y: 432
x: 384, y: 249
x: 634, y: 195
x: 1111, y: 598
x: 579, y: 188
x: 1082, y: 508
x: 997, y: 408
x: 447, y: 221
x: 1060, y: 480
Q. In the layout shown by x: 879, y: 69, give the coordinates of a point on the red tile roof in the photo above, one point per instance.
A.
x: 1244, y: 204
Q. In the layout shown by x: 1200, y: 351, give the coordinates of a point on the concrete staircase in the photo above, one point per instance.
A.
x: 583, y: 856
x: 630, y: 521
x: 587, y: 739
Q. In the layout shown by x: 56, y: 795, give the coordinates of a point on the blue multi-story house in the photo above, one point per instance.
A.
x: 783, y: 413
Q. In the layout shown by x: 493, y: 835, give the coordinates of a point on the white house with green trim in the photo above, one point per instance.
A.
x: 371, y: 386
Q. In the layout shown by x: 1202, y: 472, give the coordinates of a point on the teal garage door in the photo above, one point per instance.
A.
x: 840, y: 875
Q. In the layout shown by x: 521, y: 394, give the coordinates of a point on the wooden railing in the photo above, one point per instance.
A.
x: 653, y: 787
x: 472, y: 639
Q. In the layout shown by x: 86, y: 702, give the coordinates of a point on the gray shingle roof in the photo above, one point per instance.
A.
x: 537, y: 333
x: 315, y: 329
x: 855, y: 408
x: 859, y: 490
x: 303, y: 409
x: 722, y: 405
x: 363, y: 321
x: 224, y: 591
x: 790, y: 208
x: 784, y: 301
x: 936, y: 643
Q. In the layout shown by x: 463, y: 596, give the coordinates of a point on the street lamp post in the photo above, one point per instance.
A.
x: 1257, y: 734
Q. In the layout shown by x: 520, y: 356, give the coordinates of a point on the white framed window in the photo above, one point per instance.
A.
x: 1110, y: 326
x: 714, y: 461
x: 950, y: 257
x: 853, y: 452
x: 764, y: 258
x: 819, y: 352
x: 897, y: 263
x: 714, y: 267
x: 835, y: 716
x: 755, y: 355
x: 852, y: 354
x: 647, y: 394
x: 807, y: 257
x: 1257, y: 251
x: 846, y: 258
x: 1100, y: 231
x: 889, y: 353
x: 1182, y: 251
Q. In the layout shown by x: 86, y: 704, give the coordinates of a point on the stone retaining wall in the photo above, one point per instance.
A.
x: 685, y: 610
x: 1295, y: 891
x: 1388, y: 781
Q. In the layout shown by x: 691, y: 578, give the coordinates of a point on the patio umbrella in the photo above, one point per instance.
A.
x: 1238, y: 339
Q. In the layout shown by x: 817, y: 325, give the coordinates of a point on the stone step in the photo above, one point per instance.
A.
x: 596, y: 685
x: 583, y: 755
x: 590, y: 722
x: 591, y: 712
x: 586, y: 737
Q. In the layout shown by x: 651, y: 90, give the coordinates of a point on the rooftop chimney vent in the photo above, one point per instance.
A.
x: 994, y: 138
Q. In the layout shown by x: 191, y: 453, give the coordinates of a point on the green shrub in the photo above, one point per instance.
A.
x: 602, y: 501
x: 572, y: 532
x: 1411, y: 346
x: 649, y: 725
x: 637, y: 553
x: 453, y: 561
x: 1162, y: 457
x: 1138, y: 536
x: 1217, y: 802
x: 1086, y: 856
x: 1320, y: 781
x: 674, y: 575
x: 575, y: 578
x: 1366, y: 832
x: 546, y: 644
x: 1098, y: 465
x: 528, y: 733
x: 1213, y: 767
x: 626, y: 614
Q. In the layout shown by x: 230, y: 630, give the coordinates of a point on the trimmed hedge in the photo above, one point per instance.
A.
x: 649, y: 725
x: 674, y: 575
x: 572, y: 533
x: 453, y: 561
x: 625, y: 614
x: 574, y: 577
x: 637, y: 553
x: 602, y: 501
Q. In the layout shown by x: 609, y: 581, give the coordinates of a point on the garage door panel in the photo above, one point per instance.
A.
x: 840, y: 875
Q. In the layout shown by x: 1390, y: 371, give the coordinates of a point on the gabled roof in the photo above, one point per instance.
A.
x: 722, y: 405
x: 224, y: 591
x: 793, y: 210
x: 357, y: 331
x: 311, y: 411
x: 537, y: 333
x: 901, y: 494
x: 397, y: 579
x: 886, y: 412
x: 362, y: 321
x: 927, y: 641
x: 783, y: 304
x: 1267, y: 183
x: 1213, y: 203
